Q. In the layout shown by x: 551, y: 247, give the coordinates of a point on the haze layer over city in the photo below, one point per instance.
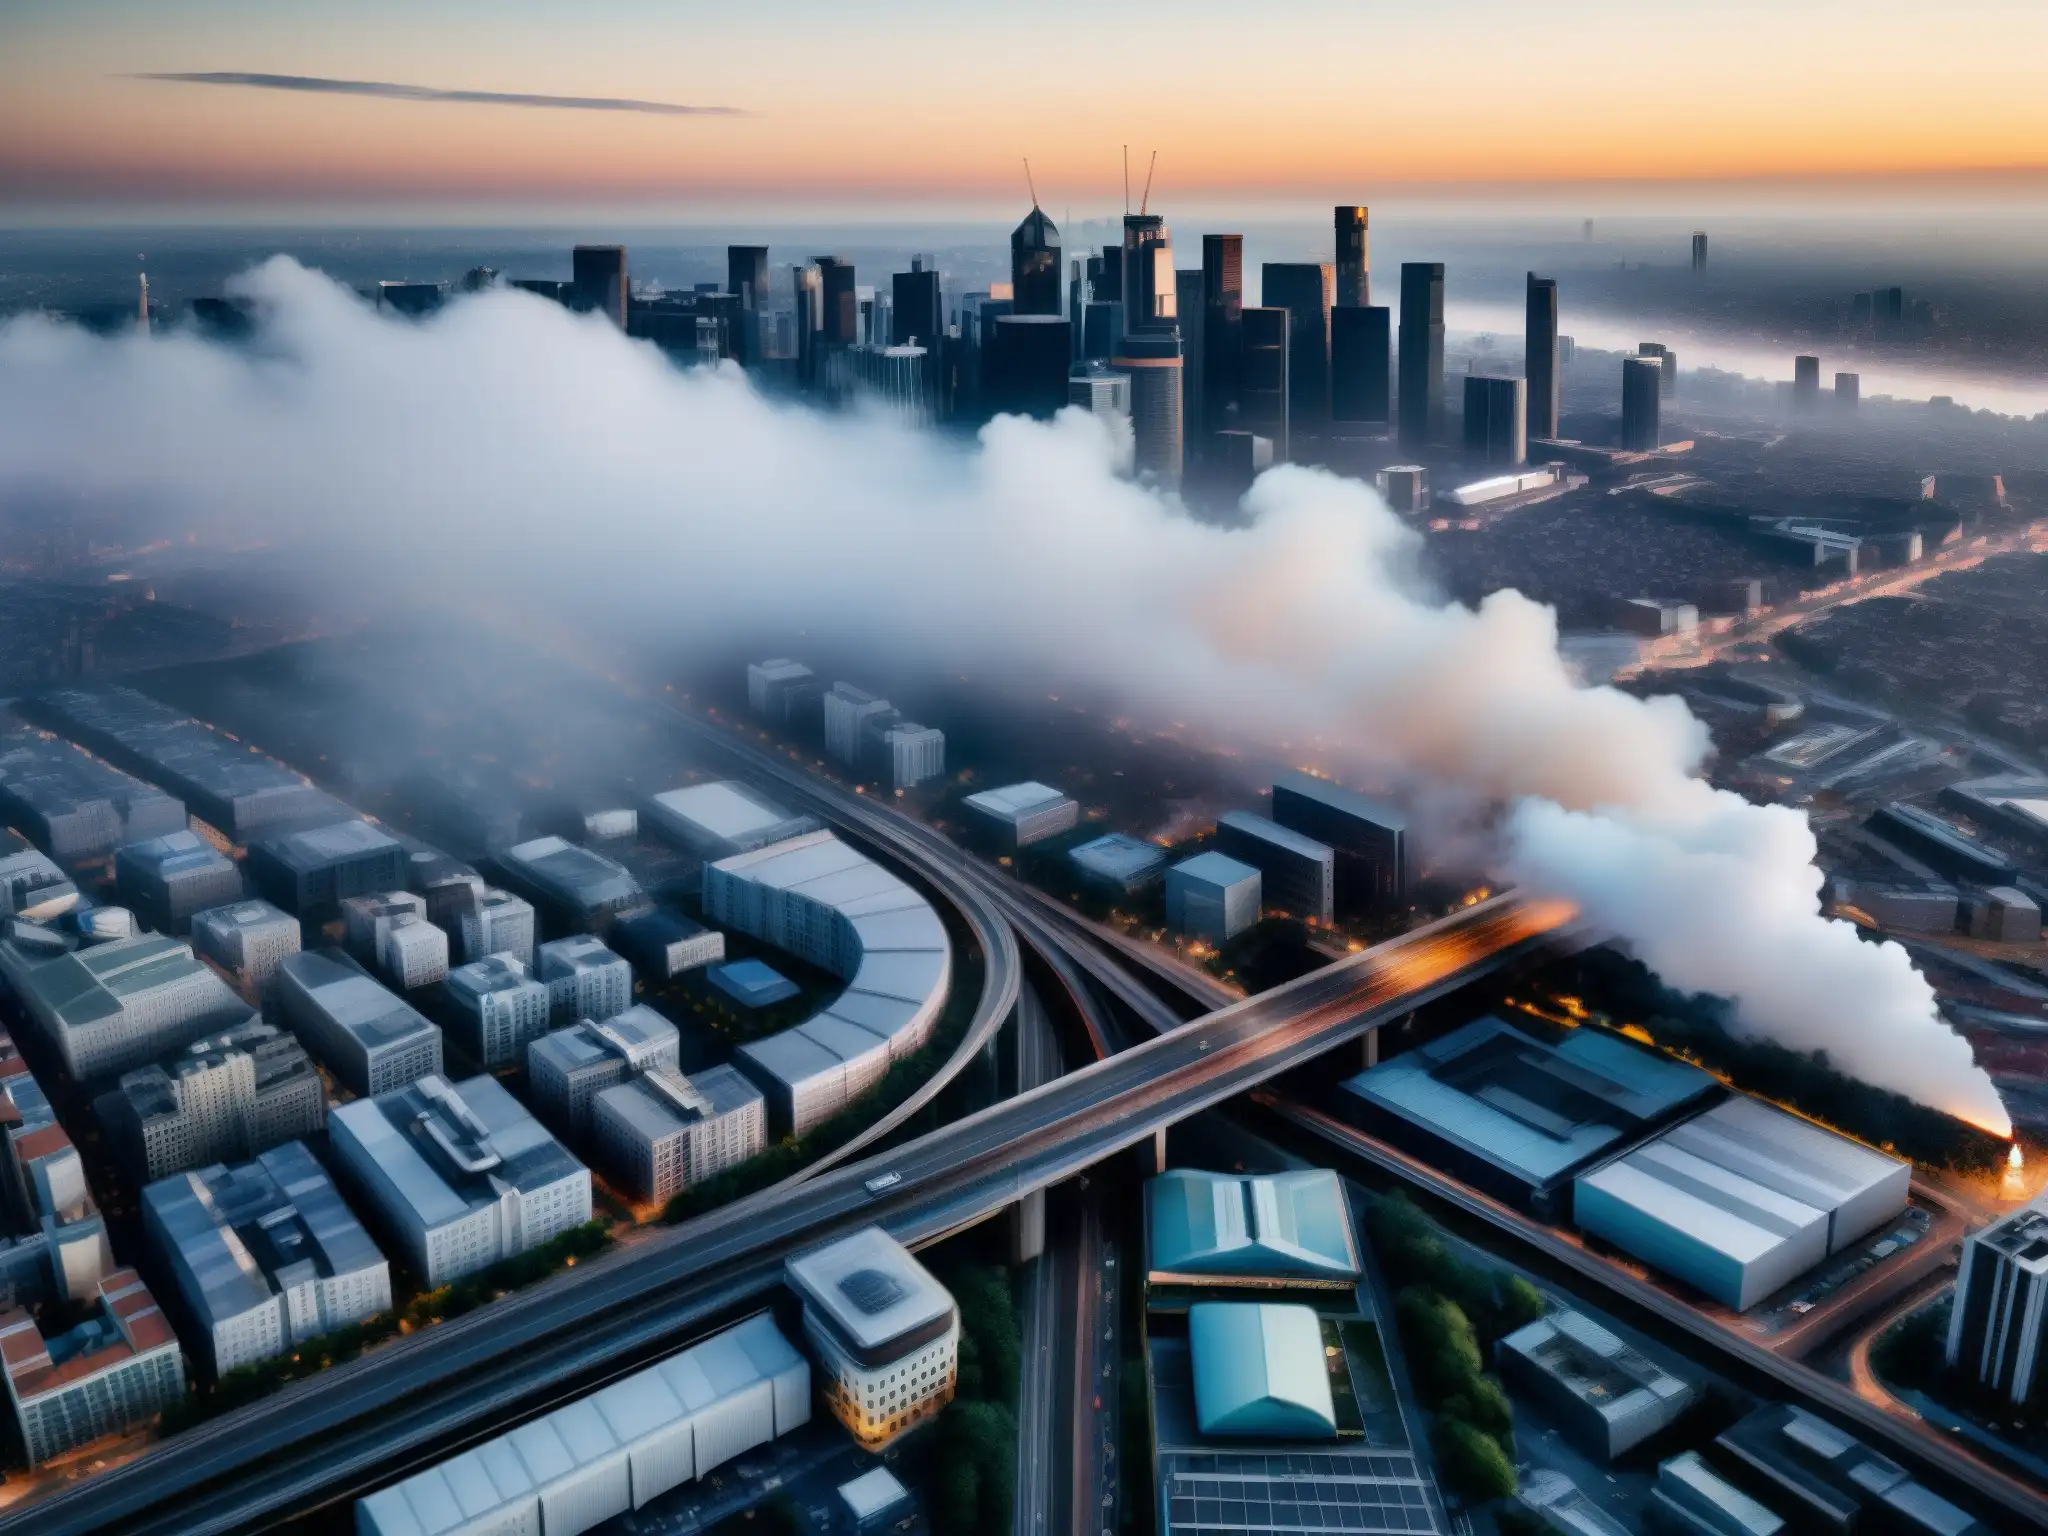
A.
x: 788, y: 777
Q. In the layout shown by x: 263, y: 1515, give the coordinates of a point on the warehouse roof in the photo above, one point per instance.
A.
x: 571, y: 873
x: 1217, y: 869
x: 1596, y: 1366
x: 1013, y: 800
x: 1114, y: 856
x: 1272, y: 832
x: 1260, y: 1371
x: 369, y: 1012
x: 317, y: 847
x: 725, y: 817
x: 97, y: 982
x: 1294, y: 1226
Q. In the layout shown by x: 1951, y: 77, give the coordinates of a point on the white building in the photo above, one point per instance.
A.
x: 248, y: 940
x: 413, y: 953
x: 566, y: 1070
x: 833, y: 906
x: 366, y: 919
x: 1018, y: 815
x: 117, y: 1369
x: 1741, y: 1200
x: 30, y: 885
x: 1212, y: 896
x: 885, y: 1332
x: 499, y: 924
x: 662, y: 1132
x: 460, y: 1173
x: 721, y: 818
x: 503, y: 1008
x: 771, y: 683
x: 611, y: 1452
x: 230, y: 1095
x: 372, y: 1040
x: 264, y: 1254
x: 1998, y: 1325
x: 847, y: 712
x: 113, y: 1006
x: 902, y: 753
x: 585, y: 980
x: 166, y: 879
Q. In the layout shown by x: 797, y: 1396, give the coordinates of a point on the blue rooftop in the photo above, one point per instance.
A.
x: 752, y: 984
x: 1260, y: 1371
x: 1119, y: 858
x: 1217, y: 869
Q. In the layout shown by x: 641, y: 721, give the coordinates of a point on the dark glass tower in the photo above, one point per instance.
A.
x: 914, y: 309
x: 1194, y: 324
x: 1035, y: 266
x: 1262, y: 378
x: 1354, y: 262
x: 839, y: 323
x: 1152, y: 358
x: 598, y: 281
x: 1496, y: 420
x: 1642, y: 386
x: 746, y: 274
x: 1148, y: 280
x: 1361, y: 363
x: 1304, y: 289
x: 1029, y: 358
x: 1539, y: 354
x: 1421, y: 400
x: 1222, y: 328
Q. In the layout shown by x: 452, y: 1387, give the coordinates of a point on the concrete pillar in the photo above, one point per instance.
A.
x: 1027, y: 1227
x: 1369, y: 1050
x: 1152, y: 1154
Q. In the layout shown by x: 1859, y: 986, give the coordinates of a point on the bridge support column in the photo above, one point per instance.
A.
x: 1152, y: 1154
x: 1027, y: 1228
x: 1369, y: 1050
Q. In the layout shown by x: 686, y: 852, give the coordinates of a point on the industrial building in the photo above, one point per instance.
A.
x: 249, y: 940
x: 1298, y: 875
x: 167, y: 879
x: 31, y: 886
x: 782, y: 690
x: 1260, y: 1372
x: 1212, y: 896
x: 311, y: 873
x: 662, y: 944
x: 265, y: 1255
x: 118, y: 1368
x: 1823, y: 1480
x: 1605, y: 1395
x: 496, y: 923
x: 584, y: 886
x: 1517, y: 1116
x: 1221, y: 1229
x: 1119, y: 863
x: 585, y: 980
x: 1018, y: 815
x: 662, y: 1132
x: 1739, y: 1201
x: 719, y: 819
x: 886, y: 1333
x: 109, y: 1007
x: 73, y: 805
x: 230, y: 1095
x: 502, y: 1008
x: 372, y: 1040
x: 1692, y: 1499
x: 613, y: 1451
x: 1369, y: 837
x: 566, y: 1070
x: 1940, y: 844
x: 1996, y: 1326
x: 752, y: 983
x: 833, y: 906
x: 239, y: 792
x: 460, y: 1174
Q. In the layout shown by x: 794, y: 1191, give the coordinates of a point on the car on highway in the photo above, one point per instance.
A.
x: 882, y: 1183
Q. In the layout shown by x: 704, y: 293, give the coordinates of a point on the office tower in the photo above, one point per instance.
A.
x: 1300, y: 874
x: 1262, y: 377
x: 746, y: 275
x: 121, y: 1367
x: 1361, y: 363
x: 1421, y: 399
x: 585, y: 980
x: 1667, y: 361
x: 1149, y: 289
x: 663, y: 1132
x: 110, y: 1007
x: 1848, y: 390
x: 807, y: 287
x: 264, y: 1255
x: 1102, y: 327
x: 460, y: 1173
x: 1194, y: 328
x: 915, y: 313
x: 1497, y: 419
x: 167, y: 879
x: 1996, y: 1329
x: 1222, y: 327
x: 839, y: 314
x: 247, y: 940
x: 499, y: 924
x: 1805, y: 382
x: 1354, y: 260
x: 1236, y: 459
x: 1369, y: 838
x: 233, y: 1094
x: 569, y: 1068
x: 1101, y: 390
x: 1304, y: 290
x: 1106, y: 276
x: 1539, y: 354
x: 1035, y: 265
x: 887, y: 1367
x: 311, y: 873
x: 1152, y: 359
x: 1027, y: 364
x: 501, y: 1007
x: 1642, y: 389
x: 598, y: 281
x: 847, y: 711
x: 1699, y: 250
x: 372, y: 1040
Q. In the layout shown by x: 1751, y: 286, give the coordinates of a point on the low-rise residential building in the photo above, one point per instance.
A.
x: 501, y: 1007
x: 164, y: 880
x: 372, y: 1040
x: 115, y: 1370
x: 109, y: 1007
x: 662, y: 1132
x: 566, y: 1070
x: 460, y: 1175
x: 886, y: 1333
x: 248, y: 940
x: 265, y: 1255
x: 585, y: 980
x: 230, y: 1095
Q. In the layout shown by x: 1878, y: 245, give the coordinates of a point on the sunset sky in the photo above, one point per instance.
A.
x: 906, y: 106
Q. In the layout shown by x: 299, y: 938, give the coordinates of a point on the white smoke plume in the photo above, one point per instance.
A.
x: 508, y: 447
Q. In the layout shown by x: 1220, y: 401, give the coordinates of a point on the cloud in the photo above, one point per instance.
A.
x: 513, y: 453
x: 321, y: 85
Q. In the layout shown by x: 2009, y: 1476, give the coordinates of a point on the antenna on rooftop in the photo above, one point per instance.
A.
x: 1127, y: 181
x: 1029, y: 182
x: 1148, y: 186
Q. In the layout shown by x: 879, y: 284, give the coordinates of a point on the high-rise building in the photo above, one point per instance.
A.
x: 1368, y: 837
x: 1194, y: 324
x: 1361, y: 363
x: 1496, y: 419
x: 1102, y: 390
x: 1222, y: 328
x: 1304, y: 289
x: 1026, y: 369
x: 1666, y: 360
x: 1539, y: 354
x: 233, y: 1094
x: 807, y: 290
x: 663, y: 1132
x: 1642, y: 390
x: 1848, y: 390
x: 1149, y: 291
x: 839, y: 312
x: 502, y: 1008
x: 915, y: 311
x: 119, y: 1368
x: 1236, y: 459
x: 1699, y: 250
x: 1421, y: 399
x: 1805, y: 382
x: 1262, y: 404
x: 1354, y: 258
x: 1152, y: 358
x: 1035, y: 265
x: 1998, y: 1325
x: 1106, y: 275
x: 598, y: 281
x: 1102, y: 326
x: 746, y: 275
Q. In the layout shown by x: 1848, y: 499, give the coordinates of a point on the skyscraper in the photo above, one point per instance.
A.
x: 1496, y: 419
x: 1148, y: 283
x: 1262, y: 377
x: 1641, y: 403
x: 1421, y: 400
x: 1304, y: 289
x: 1193, y: 324
x: 839, y: 321
x: 1152, y: 358
x: 1222, y: 327
x: 1539, y: 354
x: 1361, y: 363
x: 1354, y: 263
x: 1028, y: 362
x: 1106, y: 276
x: 598, y: 280
x: 808, y: 290
x: 1805, y: 382
x: 1995, y: 1331
x: 1699, y: 250
x: 915, y: 312
x: 1035, y: 265
x: 1848, y: 387
x: 746, y: 274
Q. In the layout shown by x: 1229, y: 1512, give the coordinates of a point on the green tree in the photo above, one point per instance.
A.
x: 1471, y: 1464
x: 1481, y: 1403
